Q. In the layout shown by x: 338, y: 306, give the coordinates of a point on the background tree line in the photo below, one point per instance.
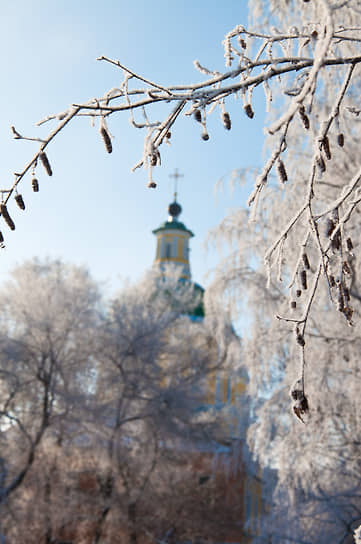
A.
x: 104, y: 417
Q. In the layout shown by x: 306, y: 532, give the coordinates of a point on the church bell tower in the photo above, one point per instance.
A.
x: 173, y: 240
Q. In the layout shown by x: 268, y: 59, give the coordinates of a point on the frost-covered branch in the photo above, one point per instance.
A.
x: 296, y: 57
x: 310, y: 77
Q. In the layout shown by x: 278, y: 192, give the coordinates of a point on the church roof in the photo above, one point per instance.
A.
x: 198, y: 311
x: 174, y: 225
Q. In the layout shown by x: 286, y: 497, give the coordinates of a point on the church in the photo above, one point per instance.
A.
x: 173, y: 250
x: 238, y: 477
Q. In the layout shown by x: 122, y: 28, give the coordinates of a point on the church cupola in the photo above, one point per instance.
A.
x: 173, y: 240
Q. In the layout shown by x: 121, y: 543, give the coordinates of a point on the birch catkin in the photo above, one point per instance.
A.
x: 4, y: 212
x: 281, y: 171
x: 226, y: 121
x: 306, y: 262
x: 341, y: 139
x: 20, y: 202
x: 35, y: 185
x: 321, y: 164
x: 330, y: 227
x: 45, y: 162
x: 326, y: 147
x: 249, y: 111
x: 197, y: 116
x: 305, y: 120
x: 106, y: 139
x: 303, y: 278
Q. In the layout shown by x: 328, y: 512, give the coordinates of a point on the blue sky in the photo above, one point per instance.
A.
x: 94, y: 211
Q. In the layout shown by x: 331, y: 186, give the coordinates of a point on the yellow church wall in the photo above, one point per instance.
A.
x: 224, y: 391
x: 171, y: 259
x: 211, y: 388
x: 169, y: 239
x: 224, y: 388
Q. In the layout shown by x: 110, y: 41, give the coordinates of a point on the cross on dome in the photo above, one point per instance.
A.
x: 176, y: 175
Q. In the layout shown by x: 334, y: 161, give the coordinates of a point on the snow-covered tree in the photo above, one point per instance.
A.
x: 102, y: 411
x: 48, y: 320
x: 151, y: 383
x: 310, y: 350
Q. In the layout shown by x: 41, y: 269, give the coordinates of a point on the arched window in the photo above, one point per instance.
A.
x: 168, y: 251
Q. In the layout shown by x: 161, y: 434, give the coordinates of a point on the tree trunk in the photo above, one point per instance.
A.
x: 132, y: 528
